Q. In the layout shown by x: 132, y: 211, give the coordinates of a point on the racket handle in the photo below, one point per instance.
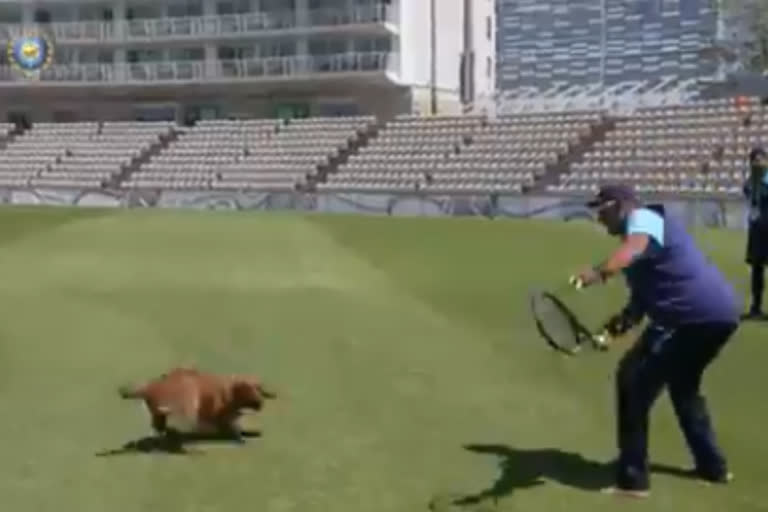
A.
x: 602, y: 340
x: 576, y: 282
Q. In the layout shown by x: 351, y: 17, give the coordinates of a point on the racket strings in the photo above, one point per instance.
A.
x: 556, y: 323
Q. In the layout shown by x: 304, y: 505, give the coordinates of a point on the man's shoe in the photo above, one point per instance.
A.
x: 754, y: 314
x: 722, y: 479
x: 626, y: 493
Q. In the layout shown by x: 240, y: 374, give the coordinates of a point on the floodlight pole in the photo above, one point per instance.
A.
x: 433, y: 56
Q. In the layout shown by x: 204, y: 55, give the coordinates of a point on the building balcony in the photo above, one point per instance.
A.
x: 349, y: 65
x: 365, y: 19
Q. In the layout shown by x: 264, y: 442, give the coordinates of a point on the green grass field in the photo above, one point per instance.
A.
x: 393, y: 343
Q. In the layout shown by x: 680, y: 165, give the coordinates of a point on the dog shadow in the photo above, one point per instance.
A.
x: 161, y: 444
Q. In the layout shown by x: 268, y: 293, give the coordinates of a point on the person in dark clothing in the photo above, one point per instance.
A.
x: 756, y: 192
x: 693, y: 312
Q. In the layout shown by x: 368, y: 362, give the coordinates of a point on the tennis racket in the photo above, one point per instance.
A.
x: 559, y: 326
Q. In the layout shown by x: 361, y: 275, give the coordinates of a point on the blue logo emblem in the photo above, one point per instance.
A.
x: 30, y: 54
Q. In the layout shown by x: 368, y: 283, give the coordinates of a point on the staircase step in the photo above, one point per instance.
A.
x: 145, y: 157
x: 575, y: 154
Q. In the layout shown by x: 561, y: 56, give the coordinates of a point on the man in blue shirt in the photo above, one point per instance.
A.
x: 693, y: 312
x: 756, y: 192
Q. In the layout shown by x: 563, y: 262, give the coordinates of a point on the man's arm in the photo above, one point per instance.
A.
x: 633, y: 247
x: 645, y: 231
x: 625, y: 320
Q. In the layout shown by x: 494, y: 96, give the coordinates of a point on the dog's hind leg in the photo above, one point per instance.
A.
x: 170, y: 436
x: 160, y: 423
x: 174, y: 440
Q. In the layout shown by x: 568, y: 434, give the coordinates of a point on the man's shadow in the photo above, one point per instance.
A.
x: 162, y: 444
x: 524, y: 469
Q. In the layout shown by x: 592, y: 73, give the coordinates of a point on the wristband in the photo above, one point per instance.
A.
x: 600, y: 272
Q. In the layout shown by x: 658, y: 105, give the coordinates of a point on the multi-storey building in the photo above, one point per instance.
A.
x: 541, y: 42
x: 192, y: 59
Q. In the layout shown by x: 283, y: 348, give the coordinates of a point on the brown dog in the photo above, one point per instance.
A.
x: 187, y: 400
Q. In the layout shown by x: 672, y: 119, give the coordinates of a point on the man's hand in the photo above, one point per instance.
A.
x: 619, y: 324
x: 588, y: 277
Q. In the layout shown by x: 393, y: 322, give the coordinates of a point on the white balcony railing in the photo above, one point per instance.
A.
x: 202, y: 71
x: 159, y: 29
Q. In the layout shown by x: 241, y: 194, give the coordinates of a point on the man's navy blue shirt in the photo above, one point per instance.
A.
x: 672, y: 282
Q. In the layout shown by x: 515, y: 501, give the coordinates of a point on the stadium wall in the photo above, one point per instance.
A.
x: 83, y: 104
x: 705, y: 212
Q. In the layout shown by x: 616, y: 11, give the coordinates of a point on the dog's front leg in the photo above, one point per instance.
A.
x: 232, y: 431
x: 228, y: 428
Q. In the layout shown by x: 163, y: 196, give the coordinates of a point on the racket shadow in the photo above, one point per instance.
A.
x: 527, y: 468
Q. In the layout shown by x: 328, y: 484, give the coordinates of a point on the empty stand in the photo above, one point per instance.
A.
x: 520, y: 149
x: 698, y: 148
x: 693, y: 149
x: 462, y: 154
x: 76, y: 155
x: 254, y: 154
x: 404, y: 155
x: 6, y: 129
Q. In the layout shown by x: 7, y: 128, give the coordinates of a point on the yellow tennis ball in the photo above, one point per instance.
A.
x: 602, y: 341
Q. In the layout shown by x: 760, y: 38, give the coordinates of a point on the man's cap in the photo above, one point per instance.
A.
x: 609, y: 193
x: 756, y: 153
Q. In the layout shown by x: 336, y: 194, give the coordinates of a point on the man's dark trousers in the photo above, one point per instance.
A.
x: 676, y: 358
x: 757, y: 258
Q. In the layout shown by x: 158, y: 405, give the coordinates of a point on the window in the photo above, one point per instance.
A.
x: 379, y: 44
x: 224, y: 53
x: 187, y: 54
x: 327, y: 4
x: 42, y: 16
x: 488, y: 28
x: 136, y: 56
x: 106, y: 56
x: 488, y: 67
x: 277, y: 5
x: 66, y: 55
x: 327, y: 46
x: 10, y: 13
x: 278, y: 48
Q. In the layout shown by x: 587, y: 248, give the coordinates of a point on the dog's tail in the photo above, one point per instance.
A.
x: 130, y: 392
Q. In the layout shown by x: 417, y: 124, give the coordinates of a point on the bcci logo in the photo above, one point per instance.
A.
x: 30, y: 54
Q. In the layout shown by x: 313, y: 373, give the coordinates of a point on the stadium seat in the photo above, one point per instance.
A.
x: 462, y: 154
x: 252, y: 154
x: 77, y: 155
x: 693, y: 149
